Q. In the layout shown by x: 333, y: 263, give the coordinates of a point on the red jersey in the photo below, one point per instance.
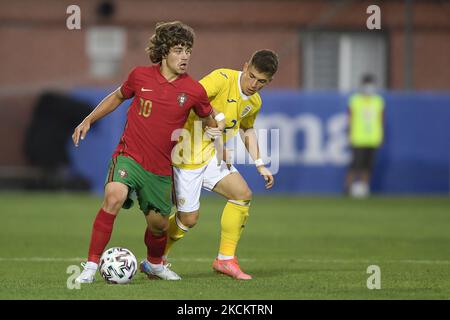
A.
x: 159, y: 107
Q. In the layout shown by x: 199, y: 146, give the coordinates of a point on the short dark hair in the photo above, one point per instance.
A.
x: 368, y: 78
x: 265, y: 61
x: 168, y: 35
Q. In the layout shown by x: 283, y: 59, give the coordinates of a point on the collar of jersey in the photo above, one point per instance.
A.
x: 160, y: 78
x: 243, y: 96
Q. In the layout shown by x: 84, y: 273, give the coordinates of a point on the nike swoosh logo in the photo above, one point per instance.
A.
x: 231, y: 100
x: 143, y: 89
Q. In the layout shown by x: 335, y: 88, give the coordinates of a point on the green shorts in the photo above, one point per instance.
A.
x: 153, y: 192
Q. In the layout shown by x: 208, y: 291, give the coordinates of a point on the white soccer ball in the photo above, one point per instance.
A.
x: 118, y: 265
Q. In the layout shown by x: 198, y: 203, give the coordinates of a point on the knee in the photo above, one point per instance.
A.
x: 245, y: 194
x: 114, y: 201
x: 188, y: 219
x: 158, y: 231
x: 159, y: 228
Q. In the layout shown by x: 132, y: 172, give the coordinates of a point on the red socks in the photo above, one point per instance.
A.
x: 101, y: 233
x: 155, y: 246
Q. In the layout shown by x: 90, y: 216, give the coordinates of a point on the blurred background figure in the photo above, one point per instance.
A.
x: 54, y: 115
x: 366, y: 121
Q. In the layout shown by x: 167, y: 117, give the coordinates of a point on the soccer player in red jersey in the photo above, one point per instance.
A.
x: 163, y: 96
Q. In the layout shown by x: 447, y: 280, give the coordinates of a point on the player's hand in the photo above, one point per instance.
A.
x: 213, y: 133
x: 221, y: 125
x: 81, y: 131
x: 267, y: 175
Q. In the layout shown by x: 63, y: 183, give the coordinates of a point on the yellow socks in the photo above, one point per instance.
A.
x: 233, y: 221
x: 175, y: 232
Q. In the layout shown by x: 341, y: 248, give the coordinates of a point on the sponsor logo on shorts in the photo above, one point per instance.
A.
x: 122, y: 173
x: 181, y: 201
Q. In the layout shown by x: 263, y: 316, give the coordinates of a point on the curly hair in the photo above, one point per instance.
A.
x: 168, y: 35
x: 265, y: 61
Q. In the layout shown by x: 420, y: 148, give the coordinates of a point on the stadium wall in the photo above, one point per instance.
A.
x: 40, y: 53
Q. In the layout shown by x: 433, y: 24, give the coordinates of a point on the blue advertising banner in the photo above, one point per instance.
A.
x: 304, y: 136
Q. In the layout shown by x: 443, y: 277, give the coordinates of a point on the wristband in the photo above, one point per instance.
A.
x: 219, y: 117
x: 259, y: 162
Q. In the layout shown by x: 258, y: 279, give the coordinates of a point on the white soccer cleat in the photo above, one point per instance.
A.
x: 359, y: 190
x: 88, y: 273
x: 162, y: 272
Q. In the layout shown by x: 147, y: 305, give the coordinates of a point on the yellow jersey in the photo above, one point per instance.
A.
x: 223, y: 88
x: 366, y: 123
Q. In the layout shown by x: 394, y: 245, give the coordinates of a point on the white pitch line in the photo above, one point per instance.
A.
x: 41, y: 259
x: 48, y: 259
x: 373, y: 261
x: 323, y: 261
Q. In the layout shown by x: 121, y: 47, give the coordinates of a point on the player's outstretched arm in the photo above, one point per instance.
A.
x: 106, y: 106
x: 248, y: 136
x: 214, y: 130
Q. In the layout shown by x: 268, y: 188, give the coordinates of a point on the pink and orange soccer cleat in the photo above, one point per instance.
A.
x: 230, y: 268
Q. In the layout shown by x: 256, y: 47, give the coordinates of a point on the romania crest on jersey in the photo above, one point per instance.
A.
x: 245, y: 111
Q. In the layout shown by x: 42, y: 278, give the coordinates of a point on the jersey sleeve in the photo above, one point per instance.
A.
x: 214, y: 82
x: 202, y: 106
x: 127, y: 88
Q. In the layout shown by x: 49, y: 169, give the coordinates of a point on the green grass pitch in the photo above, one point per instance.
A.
x: 295, y: 248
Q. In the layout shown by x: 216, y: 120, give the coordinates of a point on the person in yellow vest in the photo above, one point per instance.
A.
x: 366, y: 131
x: 197, y: 165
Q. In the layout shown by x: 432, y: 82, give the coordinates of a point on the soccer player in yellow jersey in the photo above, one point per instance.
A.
x: 235, y: 95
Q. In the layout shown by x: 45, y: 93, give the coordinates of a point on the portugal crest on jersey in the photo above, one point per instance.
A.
x: 182, y: 99
x: 245, y: 111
